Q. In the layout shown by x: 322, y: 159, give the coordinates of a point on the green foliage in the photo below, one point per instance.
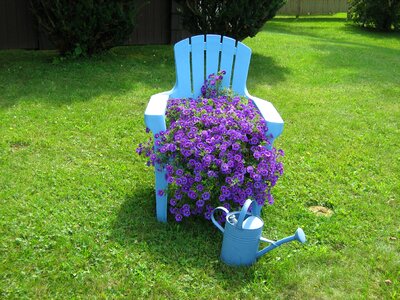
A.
x: 85, y: 27
x: 380, y: 14
x: 235, y: 18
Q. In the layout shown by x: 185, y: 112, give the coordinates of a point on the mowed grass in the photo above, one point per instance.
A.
x: 77, y: 204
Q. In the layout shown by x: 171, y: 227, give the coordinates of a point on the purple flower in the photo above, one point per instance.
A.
x: 200, y: 203
x: 170, y: 169
x: 254, y: 141
x: 184, y: 180
x: 249, y: 192
x: 178, y: 217
x: 192, y: 194
x: 225, y: 167
x: 211, y: 174
x: 270, y: 199
x: 257, y: 177
x: 206, y: 196
x: 160, y: 193
x: 256, y: 154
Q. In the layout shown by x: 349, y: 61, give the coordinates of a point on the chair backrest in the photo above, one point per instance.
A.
x: 201, y: 55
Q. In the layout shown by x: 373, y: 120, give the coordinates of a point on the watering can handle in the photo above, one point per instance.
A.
x: 213, y: 219
x: 244, y: 210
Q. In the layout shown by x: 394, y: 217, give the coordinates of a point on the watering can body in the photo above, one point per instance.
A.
x: 242, y: 236
x: 240, y: 246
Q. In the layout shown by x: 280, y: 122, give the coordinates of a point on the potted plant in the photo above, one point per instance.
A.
x: 215, y: 151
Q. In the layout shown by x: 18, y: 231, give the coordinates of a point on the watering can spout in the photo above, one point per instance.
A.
x: 299, y: 236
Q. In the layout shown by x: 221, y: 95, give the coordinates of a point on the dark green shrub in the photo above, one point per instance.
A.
x: 85, y: 27
x: 380, y: 14
x: 235, y: 18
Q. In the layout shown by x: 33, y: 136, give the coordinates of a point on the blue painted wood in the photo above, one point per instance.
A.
x: 271, y: 115
x: 198, y: 47
x: 183, y: 87
x: 213, y: 48
x: 227, y: 54
x: 161, y: 200
x: 241, y: 69
x: 155, y: 120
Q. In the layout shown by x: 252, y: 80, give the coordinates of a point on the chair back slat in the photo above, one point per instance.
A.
x: 213, y: 47
x: 183, y: 86
x: 241, y: 68
x: 227, y: 53
x: 200, y: 56
x: 197, y: 63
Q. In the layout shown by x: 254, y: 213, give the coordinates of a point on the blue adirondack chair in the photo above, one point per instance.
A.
x: 216, y: 53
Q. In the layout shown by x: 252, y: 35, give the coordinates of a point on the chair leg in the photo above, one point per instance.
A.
x: 161, y: 198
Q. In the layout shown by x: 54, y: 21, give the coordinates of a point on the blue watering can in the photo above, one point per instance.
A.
x: 242, y: 235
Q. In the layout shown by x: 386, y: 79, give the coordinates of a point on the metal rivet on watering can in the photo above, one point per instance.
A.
x: 242, y: 235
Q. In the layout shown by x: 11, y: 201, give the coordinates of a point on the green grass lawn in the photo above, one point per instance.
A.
x: 77, y: 204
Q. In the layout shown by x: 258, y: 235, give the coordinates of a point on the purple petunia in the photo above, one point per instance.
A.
x: 235, y: 146
x: 200, y: 203
x: 192, y: 194
x: 206, y: 196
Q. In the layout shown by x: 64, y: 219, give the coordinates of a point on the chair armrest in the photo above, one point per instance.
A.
x: 154, y: 116
x: 270, y: 115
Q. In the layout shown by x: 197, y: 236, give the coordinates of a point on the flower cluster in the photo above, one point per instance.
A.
x: 215, y: 152
x: 211, y: 86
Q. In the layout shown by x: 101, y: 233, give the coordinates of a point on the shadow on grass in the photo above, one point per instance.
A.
x: 308, y: 19
x: 193, y: 244
x: 32, y: 76
x: 347, y: 46
x: 314, y: 27
x: 365, y: 63
x: 264, y: 70
x: 365, y: 31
